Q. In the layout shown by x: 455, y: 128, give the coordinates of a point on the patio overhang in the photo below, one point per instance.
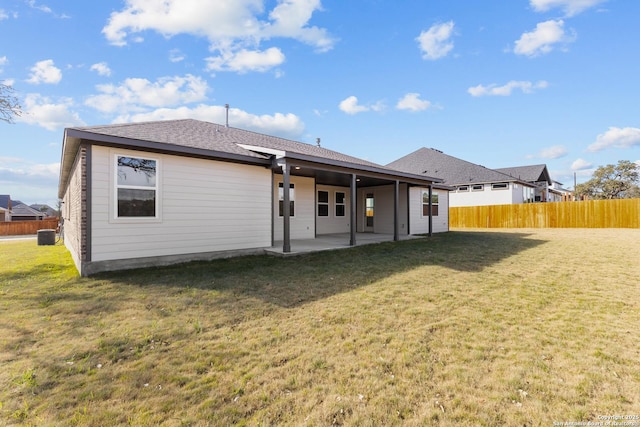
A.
x: 338, y: 173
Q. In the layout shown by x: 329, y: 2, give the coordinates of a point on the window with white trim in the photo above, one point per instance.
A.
x: 136, y: 186
x: 425, y: 204
x: 463, y: 188
x: 500, y: 186
x: 292, y: 195
x: 477, y: 187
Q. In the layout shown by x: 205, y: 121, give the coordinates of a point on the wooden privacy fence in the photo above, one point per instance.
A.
x: 619, y: 213
x: 20, y: 228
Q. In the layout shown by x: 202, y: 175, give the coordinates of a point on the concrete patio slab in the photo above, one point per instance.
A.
x: 329, y: 242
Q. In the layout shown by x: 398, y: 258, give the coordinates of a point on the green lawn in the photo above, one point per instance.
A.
x: 468, y: 328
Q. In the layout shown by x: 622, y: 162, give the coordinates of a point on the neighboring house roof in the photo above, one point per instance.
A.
x: 532, y: 173
x: 45, y: 209
x: 452, y: 170
x: 210, y: 140
x: 22, y: 210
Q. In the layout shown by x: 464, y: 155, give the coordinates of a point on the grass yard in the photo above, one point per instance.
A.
x: 468, y: 328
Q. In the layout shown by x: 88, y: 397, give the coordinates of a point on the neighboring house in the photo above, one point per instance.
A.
x: 46, y: 209
x: 143, y: 194
x: 538, y: 175
x: 22, y: 212
x: 559, y: 194
x: 472, y: 184
x: 5, y: 207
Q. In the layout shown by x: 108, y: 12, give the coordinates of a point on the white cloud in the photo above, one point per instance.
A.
x: 554, y: 152
x: 101, y: 68
x: 617, y: 138
x: 543, y: 39
x: 32, y: 4
x: 435, y: 43
x: 3, y: 61
x: 243, y: 61
x: 45, y: 72
x: 52, y: 115
x: 412, y: 102
x: 350, y: 106
x: 581, y: 164
x: 570, y: 7
x: 289, y: 19
x: 175, y: 55
x: 507, y: 89
x: 233, y: 27
x: 3, y: 15
x: 30, y: 182
x: 136, y: 95
x: 285, y: 125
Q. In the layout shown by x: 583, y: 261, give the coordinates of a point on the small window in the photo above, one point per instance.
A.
x: 425, y: 204
x: 500, y: 186
x: 292, y: 203
x: 323, y: 203
x: 136, y: 187
x: 340, y: 203
x: 463, y: 188
x: 477, y: 187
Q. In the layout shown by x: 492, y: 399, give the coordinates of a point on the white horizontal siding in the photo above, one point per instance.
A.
x: 302, y: 224
x: 334, y: 224
x: 420, y: 223
x: 383, y: 209
x: 488, y: 196
x: 205, y: 206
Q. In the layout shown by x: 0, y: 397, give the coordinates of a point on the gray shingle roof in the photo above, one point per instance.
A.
x: 454, y: 171
x: 24, y: 210
x: 211, y: 136
x: 210, y: 140
x: 532, y: 173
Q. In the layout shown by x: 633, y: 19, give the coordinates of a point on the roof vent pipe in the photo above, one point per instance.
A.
x: 318, y: 141
x: 226, y: 123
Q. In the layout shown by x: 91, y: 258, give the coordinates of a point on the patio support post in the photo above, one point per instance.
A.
x: 286, y: 208
x: 396, y: 216
x: 430, y: 210
x: 352, y: 211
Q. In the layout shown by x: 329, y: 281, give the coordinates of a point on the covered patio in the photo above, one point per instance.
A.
x: 354, y: 179
x: 328, y: 242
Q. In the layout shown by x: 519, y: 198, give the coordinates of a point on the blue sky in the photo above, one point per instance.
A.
x: 498, y: 83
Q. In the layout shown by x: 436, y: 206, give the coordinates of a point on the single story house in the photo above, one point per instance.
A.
x: 472, y: 184
x: 144, y: 194
x: 46, y: 209
x: 22, y: 212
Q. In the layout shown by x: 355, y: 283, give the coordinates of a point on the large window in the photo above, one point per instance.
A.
x: 136, y: 187
x: 425, y: 204
x: 292, y: 203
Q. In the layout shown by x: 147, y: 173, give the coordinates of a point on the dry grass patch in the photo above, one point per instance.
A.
x: 516, y: 327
